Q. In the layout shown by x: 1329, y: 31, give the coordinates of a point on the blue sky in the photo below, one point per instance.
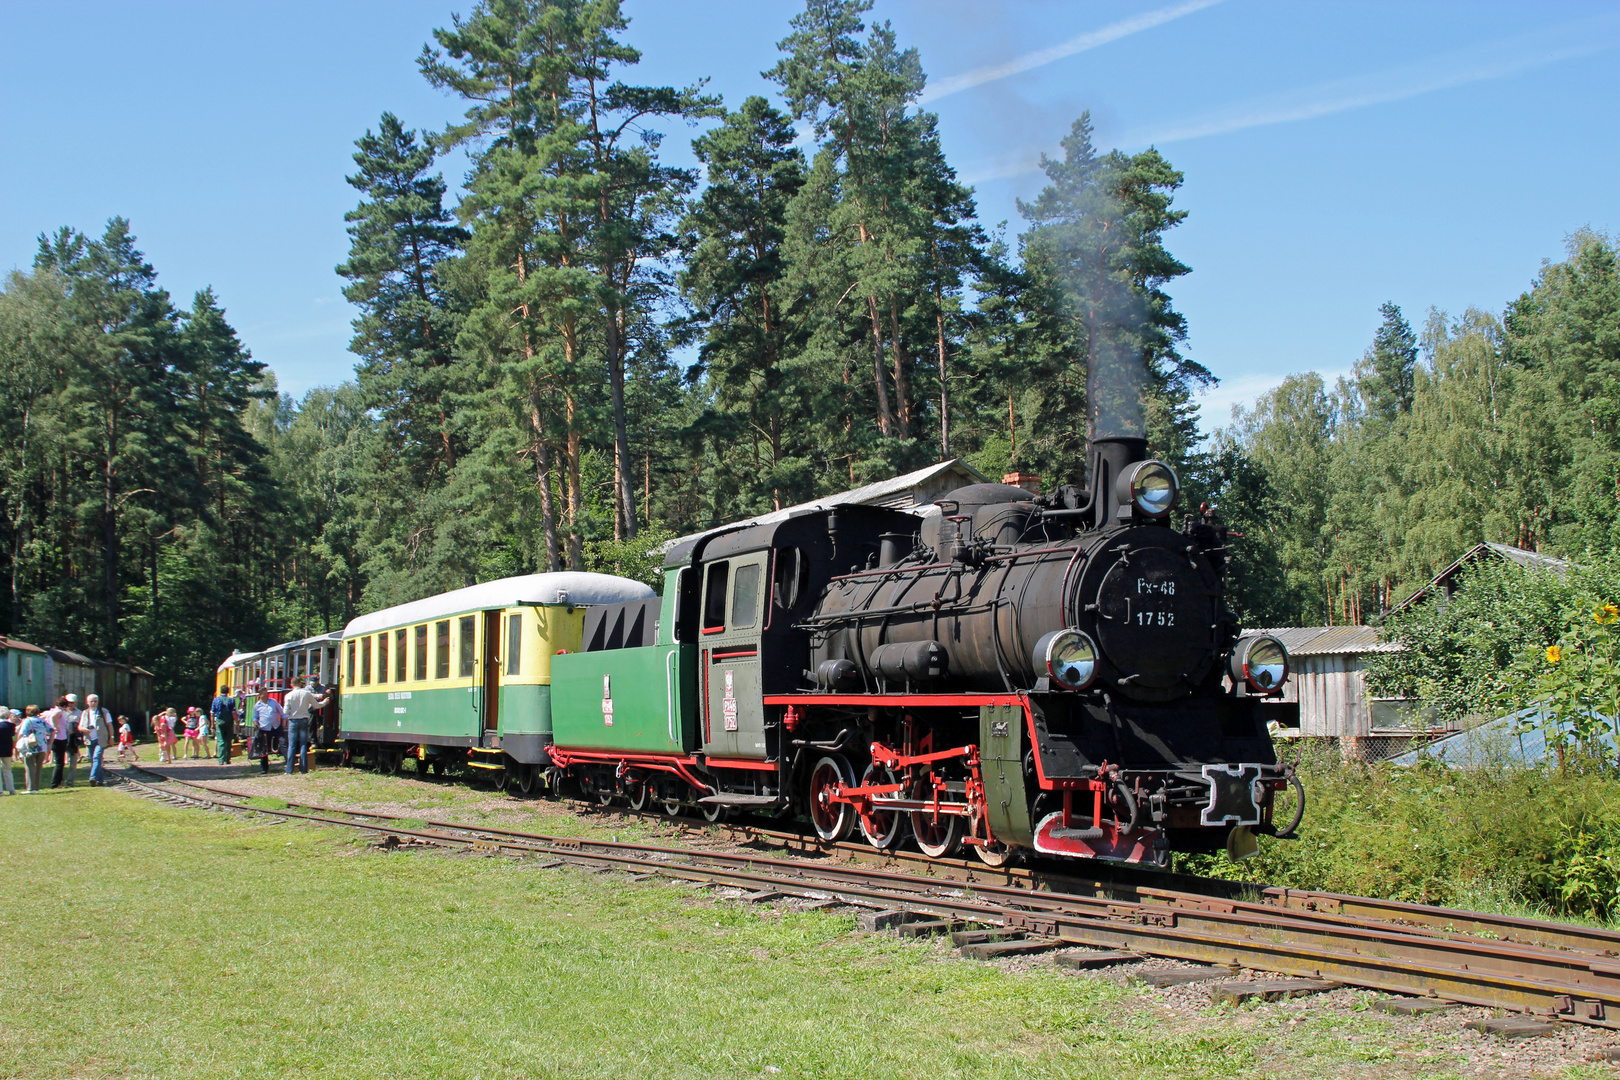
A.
x: 1336, y: 155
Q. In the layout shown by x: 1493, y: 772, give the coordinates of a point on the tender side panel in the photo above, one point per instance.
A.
x: 620, y: 699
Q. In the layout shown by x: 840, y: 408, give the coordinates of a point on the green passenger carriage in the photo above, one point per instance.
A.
x: 465, y: 676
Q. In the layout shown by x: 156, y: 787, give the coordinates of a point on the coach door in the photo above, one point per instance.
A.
x: 490, y: 671
x: 733, y: 598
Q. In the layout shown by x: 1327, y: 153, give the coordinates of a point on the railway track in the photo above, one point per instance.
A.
x: 1549, y: 970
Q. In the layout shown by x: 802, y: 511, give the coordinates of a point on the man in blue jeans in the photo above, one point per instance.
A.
x: 299, y: 703
x: 95, y: 724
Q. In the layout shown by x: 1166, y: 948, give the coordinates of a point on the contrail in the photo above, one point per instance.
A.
x: 1042, y: 57
x: 1347, y: 94
x: 1397, y: 84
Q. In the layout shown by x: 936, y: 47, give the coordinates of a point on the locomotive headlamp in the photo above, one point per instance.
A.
x: 1261, y: 663
x: 1150, y: 486
x: 1068, y: 658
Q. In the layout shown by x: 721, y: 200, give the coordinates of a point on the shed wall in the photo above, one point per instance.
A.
x: 1332, y: 695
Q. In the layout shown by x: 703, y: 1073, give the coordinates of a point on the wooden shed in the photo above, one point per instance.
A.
x: 69, y: 673
x: 1326, y: 694
x: 22, y: 674
x: 125, y: 690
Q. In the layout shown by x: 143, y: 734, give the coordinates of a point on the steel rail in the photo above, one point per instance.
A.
x: 1122, y: 883
x: 1560, y: 983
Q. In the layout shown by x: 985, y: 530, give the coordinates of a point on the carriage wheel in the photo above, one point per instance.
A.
x: 528, y: 779
x: 832, y: 821
x: 883, y: 829
x: 639, y: 795
x: 672, y: 807
x: 423, y: 766
x: 714, y: 813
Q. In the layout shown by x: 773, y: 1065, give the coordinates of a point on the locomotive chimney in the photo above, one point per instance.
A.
x: 1109, y: 458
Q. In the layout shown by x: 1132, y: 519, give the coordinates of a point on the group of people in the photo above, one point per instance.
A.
x: 64, y: 731
x: 291, y: 718
x: 194, y: 729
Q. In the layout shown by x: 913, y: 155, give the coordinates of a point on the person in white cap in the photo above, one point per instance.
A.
x: 95, y: 724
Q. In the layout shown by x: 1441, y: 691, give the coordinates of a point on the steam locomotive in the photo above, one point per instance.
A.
x: 1010, y: 672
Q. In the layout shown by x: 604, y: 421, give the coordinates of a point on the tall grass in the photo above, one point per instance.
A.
x: 1540, y: 841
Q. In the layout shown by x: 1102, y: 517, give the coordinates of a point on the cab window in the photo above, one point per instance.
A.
x: 791, y: 579
x: 714, y: 597
x: 745, y: 595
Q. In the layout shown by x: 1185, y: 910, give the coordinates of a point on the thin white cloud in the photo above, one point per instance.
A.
x: 1041, y: 57
x: 1441, y: 73
x: 1479, y: 64
x: 1216, y: 402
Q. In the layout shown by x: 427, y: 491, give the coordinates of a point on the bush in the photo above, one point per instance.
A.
x: 1546, y: 839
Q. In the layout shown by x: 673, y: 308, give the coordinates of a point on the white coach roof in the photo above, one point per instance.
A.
x: 566, y: 587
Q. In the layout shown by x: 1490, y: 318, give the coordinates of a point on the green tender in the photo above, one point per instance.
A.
x: 645, y: 704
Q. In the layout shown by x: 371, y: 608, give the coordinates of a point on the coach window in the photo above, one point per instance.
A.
x: 514, y: 644
x: 714, y: 597
x: 469, y: 651
x: 399, y: 655
x: 421, y: 653
x: 441, y: 659
x: 382, y: 657
x: 365, y: 660
x: 745, y: 595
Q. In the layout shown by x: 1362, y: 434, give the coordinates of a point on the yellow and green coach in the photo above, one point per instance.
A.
x: 465, y: 676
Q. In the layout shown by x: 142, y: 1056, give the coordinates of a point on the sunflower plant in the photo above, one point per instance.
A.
x: 1575, y: 682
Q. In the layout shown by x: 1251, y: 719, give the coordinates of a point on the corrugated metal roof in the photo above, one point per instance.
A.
x: 894, y: 493
x: 60, y: 655
x: 1499, y: 742
x: 17, y: 643
x: 1329, y: 640
x: 1534, y: 560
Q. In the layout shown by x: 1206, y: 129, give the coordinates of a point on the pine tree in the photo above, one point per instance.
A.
x: 401, y: 238
x: 1384, y: 375
x: 733, y: 239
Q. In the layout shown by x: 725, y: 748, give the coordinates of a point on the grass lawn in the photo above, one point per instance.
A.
x: 149, y: 940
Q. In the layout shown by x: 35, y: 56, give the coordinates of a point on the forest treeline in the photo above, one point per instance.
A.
x: 525, y: 396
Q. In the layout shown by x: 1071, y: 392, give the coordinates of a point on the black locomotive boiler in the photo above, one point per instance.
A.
x: 1053, y: 673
